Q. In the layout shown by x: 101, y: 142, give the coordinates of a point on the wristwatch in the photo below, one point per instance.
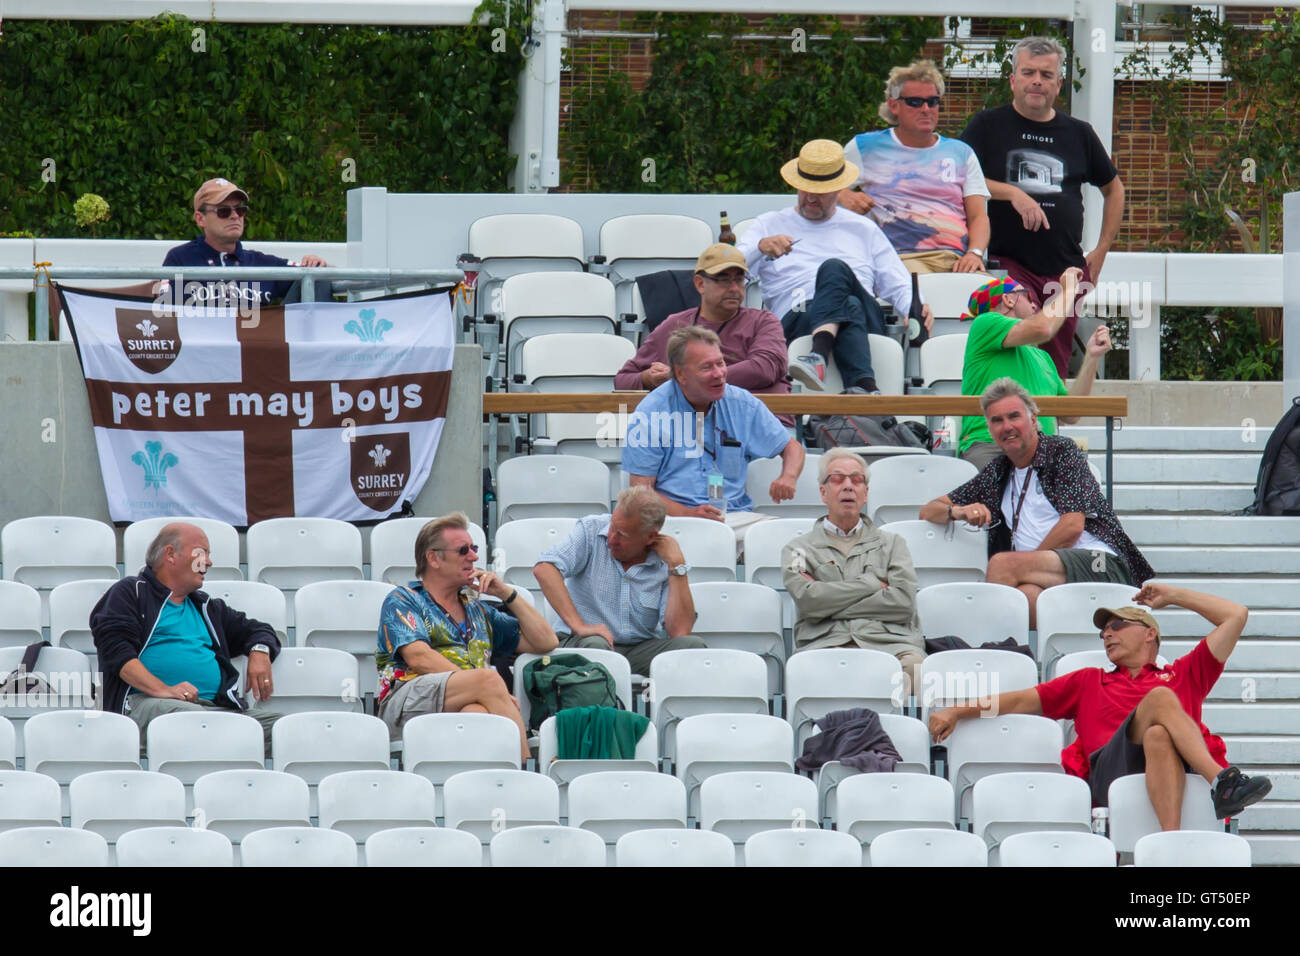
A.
x: 260, y: 647
x: 982, y: 253
x: 681, y: 570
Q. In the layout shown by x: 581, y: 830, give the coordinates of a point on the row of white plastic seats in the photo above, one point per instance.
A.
x: 47, y: 550
x: 550, y: 846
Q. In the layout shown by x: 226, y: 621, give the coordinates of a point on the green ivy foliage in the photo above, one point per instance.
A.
x: 720, y: 113
x: 142, y: 112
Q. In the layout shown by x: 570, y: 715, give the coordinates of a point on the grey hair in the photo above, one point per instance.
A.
x: 836, y: 454
x: 918, y: 71
x: 430, y: 536
x: 168, y: 537
x: 1006, y: 388
x: 643, y: 504
x: 683, y: 337
x: 1039, y: 46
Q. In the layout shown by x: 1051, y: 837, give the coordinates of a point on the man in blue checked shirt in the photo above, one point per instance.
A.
x: 617, y: 583
x: 695, y: 430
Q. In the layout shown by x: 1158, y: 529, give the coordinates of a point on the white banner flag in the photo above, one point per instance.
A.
x: 315, y: 409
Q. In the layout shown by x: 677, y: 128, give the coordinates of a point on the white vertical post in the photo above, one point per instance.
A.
x: 535, y: 132
x: 1094, y: 47
x: 1290, y: 298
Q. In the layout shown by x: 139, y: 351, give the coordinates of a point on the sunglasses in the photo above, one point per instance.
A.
x: 835, y: 477
x: 740, y: 280
x: 916, y: 102
x: 225, y: 212
x: 463, y: 550
x: 1115, y: 625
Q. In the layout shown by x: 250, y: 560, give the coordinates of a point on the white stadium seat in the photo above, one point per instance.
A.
x: 70, y: 607
x: 237, y: 802
x: 1064, y: 617
x: 315, y: 745
x: 518, y: 544
x: 971, y: 674
x: 1191, y: 848
x: 343, y: 615
x: 28, y: 799
x: 708, y: 546
x: 485, y: 801
x: 807, y: 501
x: 190, y: 744
x: 71, y: 687
x: 673, y: 847
x: 52, y: 846
x: 825, y: 679
x: 256, y: 600
x: 423, y: 846
x: 764, y: 543
x: 1007, y: 803
x: 899, y: 485
x: 1057, y: 848
x: 572, y: 361
x: 20, y: 614
x: 547, y: 846
x: 439, y: 746
x: 64, y: 744
x: 362, y: 802
x: 223, y: 545
x: 975, y: 611
x: 802, y: 848
x: 928, y: 848
x: 8, y: 745
x: 742, y: 617
x: 742, y: 803
x: 546, y: 486
x: 297, y: 846
x: 543, y: 303
x: 111, y: 802
x: 943, y: 554
x: 709, y: 744
x: 291, y: 552
x: 704, y: 681
x: 1002, y: 744
x: 612, y: 803
x: 173, y: 846
x: 948, y: 293
x: 47, y: 550
x: 869, y: 804
x: 310, y: 680
x: 1132, y: 816
x: 392, y: 548
x: 639, y: 244
x: 942, y: 360
x: 565, y: 772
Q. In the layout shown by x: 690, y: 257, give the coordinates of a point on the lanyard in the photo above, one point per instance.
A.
x: 1015, y: 516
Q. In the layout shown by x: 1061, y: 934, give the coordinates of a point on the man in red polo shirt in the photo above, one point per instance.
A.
x: 1137, y: 717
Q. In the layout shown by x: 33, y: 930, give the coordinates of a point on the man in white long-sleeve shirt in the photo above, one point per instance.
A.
x: 821, y: 272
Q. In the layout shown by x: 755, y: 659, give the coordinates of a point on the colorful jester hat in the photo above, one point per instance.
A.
x: 986, y: 297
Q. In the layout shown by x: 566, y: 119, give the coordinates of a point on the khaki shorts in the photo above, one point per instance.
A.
x: 410, y: 698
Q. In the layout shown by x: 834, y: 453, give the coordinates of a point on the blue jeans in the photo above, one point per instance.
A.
x: 839, y: 297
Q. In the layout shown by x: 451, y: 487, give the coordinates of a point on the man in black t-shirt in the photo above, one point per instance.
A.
x: 1035, y: 162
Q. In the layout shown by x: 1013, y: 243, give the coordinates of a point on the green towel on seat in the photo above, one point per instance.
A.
x: 598, y: 733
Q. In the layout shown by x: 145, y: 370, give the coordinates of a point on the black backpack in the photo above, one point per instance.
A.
x: 1277, y: 488
x: 834, y: 431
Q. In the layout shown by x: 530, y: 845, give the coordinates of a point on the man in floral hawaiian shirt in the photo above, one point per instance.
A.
x: 436, y: 638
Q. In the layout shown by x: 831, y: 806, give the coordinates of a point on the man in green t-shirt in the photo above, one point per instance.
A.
x: 1004, y: 340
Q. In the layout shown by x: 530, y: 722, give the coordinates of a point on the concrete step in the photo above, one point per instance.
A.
x: 1212, y: 530
x: 1261, y: 592
x: 1135, y: 467
x: 1252, y: 718
x: 1274, y: 849
x: 1248, y: 656
x: 1244, y: 440
x: 1286, y: 781
x: 1271, y: 815
x: 1198, y: 559
x: 1174, y: 499
x: 1262, y: 686
x: 1261, y: 623
x: 1259, y: 749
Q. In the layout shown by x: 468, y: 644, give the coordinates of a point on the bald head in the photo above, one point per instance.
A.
x: 169, y: 537
x: 178, y: 557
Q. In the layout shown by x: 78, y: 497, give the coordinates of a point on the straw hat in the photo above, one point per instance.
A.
x: 820, y: 168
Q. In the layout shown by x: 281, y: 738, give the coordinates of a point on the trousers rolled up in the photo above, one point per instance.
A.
x: 839, y: 298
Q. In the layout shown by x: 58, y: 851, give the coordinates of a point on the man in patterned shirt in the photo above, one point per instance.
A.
x: 617, y: 583
x: 437, y: 639
x: 1047, y: 518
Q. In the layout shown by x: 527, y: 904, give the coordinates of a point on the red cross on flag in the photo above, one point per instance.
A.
x: 327, y: 410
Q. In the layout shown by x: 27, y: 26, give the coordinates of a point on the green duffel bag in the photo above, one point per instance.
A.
x: 556, y: 682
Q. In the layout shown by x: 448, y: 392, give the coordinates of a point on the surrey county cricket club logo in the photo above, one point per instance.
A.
x: 366, y: 328
x: 155, y: 464
x: 151, y: 342
x: 381, y: 466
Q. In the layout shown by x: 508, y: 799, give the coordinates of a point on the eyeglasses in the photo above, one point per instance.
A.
x: 463, y: 550
x: 1115, y: 625
x: 916, y: 102
x: 836, y: 477
x: 225, y: 212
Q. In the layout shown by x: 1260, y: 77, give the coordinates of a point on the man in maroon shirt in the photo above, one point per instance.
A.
x: 1137, y: 717
x: 752, y: 341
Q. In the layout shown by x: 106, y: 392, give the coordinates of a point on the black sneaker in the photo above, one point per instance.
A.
x: 1233, y: 792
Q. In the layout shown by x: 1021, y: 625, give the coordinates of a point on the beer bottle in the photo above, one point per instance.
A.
x: 916, y: 333
x: 724, y: 230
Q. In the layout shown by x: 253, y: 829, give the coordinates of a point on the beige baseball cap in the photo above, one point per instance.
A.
x: 1103, y: 615
x: 215, y: 190
x: 720, y: 257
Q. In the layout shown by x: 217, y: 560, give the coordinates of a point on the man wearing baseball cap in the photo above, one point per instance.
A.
x: 1139, y: 717
x: 821, y: 270
x: 752, y: 341
x: 1004, y: 340
x: 221, y: 210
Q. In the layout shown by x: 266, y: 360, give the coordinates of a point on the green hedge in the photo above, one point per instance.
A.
x: 142, y: 112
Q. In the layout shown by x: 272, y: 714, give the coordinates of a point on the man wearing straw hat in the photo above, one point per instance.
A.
x: 821, y: 272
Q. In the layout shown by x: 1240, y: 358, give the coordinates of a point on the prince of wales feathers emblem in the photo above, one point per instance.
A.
x: 368, y: 330
x: 154, y: 463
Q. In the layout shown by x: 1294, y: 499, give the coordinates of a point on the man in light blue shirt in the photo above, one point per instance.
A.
x: 694, y: 426
x: 617, y: 583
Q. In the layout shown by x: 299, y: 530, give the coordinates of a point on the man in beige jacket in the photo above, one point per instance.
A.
x: 852, y: 583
